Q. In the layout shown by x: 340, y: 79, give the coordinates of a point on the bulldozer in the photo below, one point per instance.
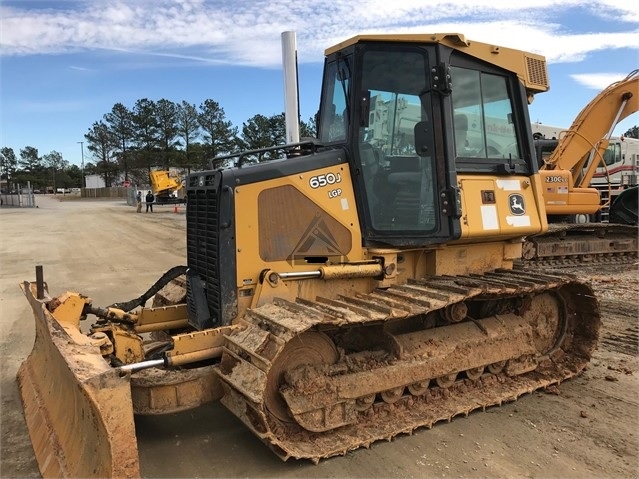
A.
x: 359, y: 287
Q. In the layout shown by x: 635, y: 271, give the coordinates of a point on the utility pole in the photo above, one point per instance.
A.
x: 82, y: 150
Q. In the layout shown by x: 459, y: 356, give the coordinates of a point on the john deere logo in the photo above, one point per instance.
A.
x: 317, y: 240
x: 516, y: 204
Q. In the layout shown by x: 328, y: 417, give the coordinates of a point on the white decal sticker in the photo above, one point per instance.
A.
x: 344, y: 203
x: 562, y: 190
x: 320, y: 181
x: 555, y: 179
x: 509, y: 185
x: 518, y: 221
x: 489, y: 217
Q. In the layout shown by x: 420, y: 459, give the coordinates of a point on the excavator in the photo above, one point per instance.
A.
x: 357, y: 288
x: 568, y: 165
x: 166, y: 185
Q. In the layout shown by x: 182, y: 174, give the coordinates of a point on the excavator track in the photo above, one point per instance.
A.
x: 571, y: 244
x: 315, y: 379
x: 563, y: 262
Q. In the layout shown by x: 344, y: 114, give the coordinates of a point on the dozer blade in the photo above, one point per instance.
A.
x: 78, y: 410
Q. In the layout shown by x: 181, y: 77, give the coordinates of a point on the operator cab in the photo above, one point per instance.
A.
x: 413, y: 115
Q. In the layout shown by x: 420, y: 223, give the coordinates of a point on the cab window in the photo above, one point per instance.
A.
x: 335, y: 119
x: 612, y: 154
x: 482, y: 116
x: 399, y: 183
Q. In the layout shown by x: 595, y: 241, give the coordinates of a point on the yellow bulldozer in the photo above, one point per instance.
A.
x: 357, y: 288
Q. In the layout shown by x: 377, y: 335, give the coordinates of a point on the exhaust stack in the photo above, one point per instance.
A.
x: 291, y: 94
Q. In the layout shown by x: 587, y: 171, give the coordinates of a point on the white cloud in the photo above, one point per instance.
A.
x: 247, y: 31
x: 598, y: 81
x: 81, y: 69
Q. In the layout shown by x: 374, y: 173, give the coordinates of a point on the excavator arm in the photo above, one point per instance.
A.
x: 581, y: 147
x: 566, y: 176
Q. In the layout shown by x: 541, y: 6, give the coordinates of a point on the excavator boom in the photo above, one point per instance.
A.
x: 166, y: 185
x: 592, y: 127
x: 568, y: 171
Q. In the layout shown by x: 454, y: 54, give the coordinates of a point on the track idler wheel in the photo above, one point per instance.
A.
x: 446, y: 381
x: 419, y: 388
x: 475, y: 373
x: 392, y: 395
x: 311, y: 349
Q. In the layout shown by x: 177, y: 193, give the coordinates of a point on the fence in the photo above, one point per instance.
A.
x: 21, y: 200
x: 111, y: 192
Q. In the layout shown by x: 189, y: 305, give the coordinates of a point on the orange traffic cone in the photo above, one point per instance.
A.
x: 175, y: 210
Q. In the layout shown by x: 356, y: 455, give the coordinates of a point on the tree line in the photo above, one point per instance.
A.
x: 127, y: 143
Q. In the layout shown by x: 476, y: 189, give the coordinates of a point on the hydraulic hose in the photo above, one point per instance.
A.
x: 159, y: 284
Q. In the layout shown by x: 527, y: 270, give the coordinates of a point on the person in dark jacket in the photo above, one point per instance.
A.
x: 149, y: 201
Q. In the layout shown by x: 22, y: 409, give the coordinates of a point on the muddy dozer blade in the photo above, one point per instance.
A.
x: 78, y: 410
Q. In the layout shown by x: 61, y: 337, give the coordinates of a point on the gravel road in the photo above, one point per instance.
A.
x: 586, y: 428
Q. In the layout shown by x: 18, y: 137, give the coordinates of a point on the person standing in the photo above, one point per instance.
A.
x: 149, y: 201
x: 139, y: 200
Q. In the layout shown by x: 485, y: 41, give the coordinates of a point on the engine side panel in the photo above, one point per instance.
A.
x: 291, y: 222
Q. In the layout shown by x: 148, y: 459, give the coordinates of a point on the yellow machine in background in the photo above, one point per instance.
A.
x: 166, y: 186
x: 568, y: 172
x: 358, y: 288
x: 568, y: 165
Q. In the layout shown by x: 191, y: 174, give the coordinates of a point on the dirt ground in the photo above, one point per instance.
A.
x: 587, y: 428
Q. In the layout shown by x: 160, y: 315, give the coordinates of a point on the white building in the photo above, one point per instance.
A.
x: 94, y: 181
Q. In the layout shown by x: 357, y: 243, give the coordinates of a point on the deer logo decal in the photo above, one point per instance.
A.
x: 516, y: 204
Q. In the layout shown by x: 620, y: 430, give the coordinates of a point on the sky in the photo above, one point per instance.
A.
x: 65, y: 64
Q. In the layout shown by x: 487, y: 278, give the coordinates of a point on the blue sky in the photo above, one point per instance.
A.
x: 64, y: 64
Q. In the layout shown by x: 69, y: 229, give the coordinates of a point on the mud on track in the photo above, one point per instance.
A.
x: 585, y: 428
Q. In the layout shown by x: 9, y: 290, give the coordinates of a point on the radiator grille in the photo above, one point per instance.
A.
x: 537, y: 72
x: 202, y: 243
